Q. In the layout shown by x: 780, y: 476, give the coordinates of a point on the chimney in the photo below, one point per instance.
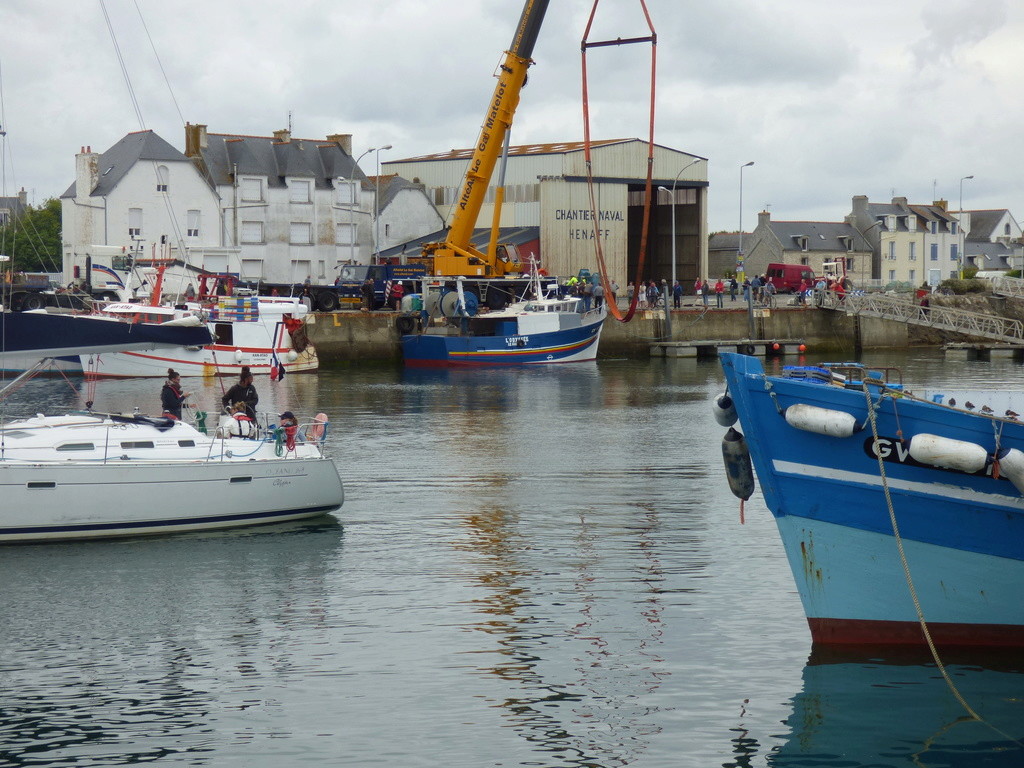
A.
x: 23, y: 198
x: 86, y: 172
x: 764, y: 219
x: 343, y: 140
x: 283, y: 136
x: 900, y: 201
x: 195, y: 139
x: 943, y: 204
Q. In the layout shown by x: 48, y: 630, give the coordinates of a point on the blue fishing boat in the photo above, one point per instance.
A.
x: 899, y: 514
x: 532, y: 331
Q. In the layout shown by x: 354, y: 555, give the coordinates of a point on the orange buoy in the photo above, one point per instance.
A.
x: 803, y: 347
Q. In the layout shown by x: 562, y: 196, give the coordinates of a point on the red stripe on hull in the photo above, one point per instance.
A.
x: 909, y: 633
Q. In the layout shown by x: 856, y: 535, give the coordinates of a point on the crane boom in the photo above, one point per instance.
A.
x: 456, y: 255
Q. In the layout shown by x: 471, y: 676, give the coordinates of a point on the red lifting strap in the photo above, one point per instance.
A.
x: 653, y: 40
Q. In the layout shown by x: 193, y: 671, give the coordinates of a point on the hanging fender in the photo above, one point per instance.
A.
x: 822, y: 421
x: 948, y: 453
x: 1011, y: 466
x: 737, y: 464
x: 724, y: 410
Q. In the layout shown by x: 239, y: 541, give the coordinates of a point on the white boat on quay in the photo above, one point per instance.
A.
x: 89, y: 475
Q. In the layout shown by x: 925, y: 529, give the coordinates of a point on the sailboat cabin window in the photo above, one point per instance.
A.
x: 76, y: 447
x: 137, y: 444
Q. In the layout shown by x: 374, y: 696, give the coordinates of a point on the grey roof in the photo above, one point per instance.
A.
x: 320, y: 160
x: 727, y: 241
x: 821, y: 235
x: 390, y: 186
x: 983, y: 224
x: 903, y: 211
x: 988, y: 256
x: 12, y: 204
x: 513, y: 235
x: 119, y: 159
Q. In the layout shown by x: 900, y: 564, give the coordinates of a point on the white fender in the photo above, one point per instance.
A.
x: 724, y: 410
x: 948, y: 453
x: 1011, y: 466
x: 823, y: 421
x: 291, y: 355
x: 238, y: 356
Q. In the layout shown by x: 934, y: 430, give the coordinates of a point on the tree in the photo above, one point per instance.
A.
x: 32, y: 240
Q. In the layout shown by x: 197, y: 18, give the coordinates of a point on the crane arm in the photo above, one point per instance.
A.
x: 500, y: 111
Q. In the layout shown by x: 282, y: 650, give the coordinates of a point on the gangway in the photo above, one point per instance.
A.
x: 992, y: 327
x: 1008, y: 286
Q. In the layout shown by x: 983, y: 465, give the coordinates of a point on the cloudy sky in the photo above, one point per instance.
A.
x: 829, y: 100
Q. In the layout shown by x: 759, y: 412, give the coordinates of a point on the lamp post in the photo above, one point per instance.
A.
x: 960, y: 253
x: 352, y: 205
x: 672, y: 285
x: 740, y: 270
x: 376, y: 204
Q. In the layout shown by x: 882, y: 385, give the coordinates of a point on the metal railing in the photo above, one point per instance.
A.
x: 886, y: 307
x: 1008, y: 286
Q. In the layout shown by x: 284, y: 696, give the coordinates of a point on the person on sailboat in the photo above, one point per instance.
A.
x: 171, y: 397
x: 244, y: 392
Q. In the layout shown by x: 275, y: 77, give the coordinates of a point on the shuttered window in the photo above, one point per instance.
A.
x: 252, y: 231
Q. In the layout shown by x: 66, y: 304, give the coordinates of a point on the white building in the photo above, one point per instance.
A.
x: 139, y: 193
x: 275, y: 209
x: 546, y: 186
x: 993, y: 244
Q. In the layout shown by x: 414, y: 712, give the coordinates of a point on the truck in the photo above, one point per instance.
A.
x: 352, y: 276
x: 787, y: 277
x: 456, y: 255
x: 25, y: 291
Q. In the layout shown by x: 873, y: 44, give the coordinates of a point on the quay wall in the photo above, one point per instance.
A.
x: 345, y: 337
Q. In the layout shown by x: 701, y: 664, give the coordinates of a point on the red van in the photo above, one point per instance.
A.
x: 787, y: 277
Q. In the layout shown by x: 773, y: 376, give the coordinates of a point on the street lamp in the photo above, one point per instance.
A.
x: 376, y: 203
x: 672, y: 285
x: 740, y: 271
x: 960, y: 255
x: 352, y: 205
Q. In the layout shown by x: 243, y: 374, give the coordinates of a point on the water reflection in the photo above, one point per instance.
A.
x: 895, y: 710
x: 116, y: 668
x: 580, y: 657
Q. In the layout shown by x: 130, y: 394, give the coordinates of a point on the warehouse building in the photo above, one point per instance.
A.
x: 546, y: 187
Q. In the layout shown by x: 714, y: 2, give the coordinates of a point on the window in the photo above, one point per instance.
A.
x: 76, y: 447
x: 934, y: 252
x: 890, y: 223
x: 193, y: 223
x: 344, y: 234
x: 952, y: 227
x: 892, y: 275
x: 134, y: 222
x: 850, y: 263
x: 934, y: 228
x: 252, y: 269
x: 252, y: 190
x: 345, y: 192
x: 892, y: 250
x: 954, y: 252
x: 913, y: 251
x: 161, y: 178
x: 252, y: 231
x: 387, y: 230
x: 911, y: 278
x: 911, y: 223
x: 1006, y: 230
x: 300, y: 233
x: 137, y: 444
x: 299, y: 191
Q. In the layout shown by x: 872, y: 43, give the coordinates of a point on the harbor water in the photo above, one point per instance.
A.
x: 537, y: 567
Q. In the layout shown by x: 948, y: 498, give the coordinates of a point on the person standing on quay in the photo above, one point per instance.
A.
x: 677, y: 295
x: 720, y: 294
x: 705, y: 289
x: 733, y: 286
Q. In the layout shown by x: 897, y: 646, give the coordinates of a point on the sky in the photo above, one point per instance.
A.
x: 828, y: 100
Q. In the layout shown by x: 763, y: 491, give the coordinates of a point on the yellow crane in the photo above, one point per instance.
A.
x: 456, y: 255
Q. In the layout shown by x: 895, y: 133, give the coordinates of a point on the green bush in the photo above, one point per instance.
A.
x: 965, y: 286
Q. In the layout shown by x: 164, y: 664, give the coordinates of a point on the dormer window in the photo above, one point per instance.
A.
x: 299, y: 191
x: 252, y: 190
x: 912, y: 223
x: 953, y: 229
x: 934, y: 228
x: 890, y: 223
